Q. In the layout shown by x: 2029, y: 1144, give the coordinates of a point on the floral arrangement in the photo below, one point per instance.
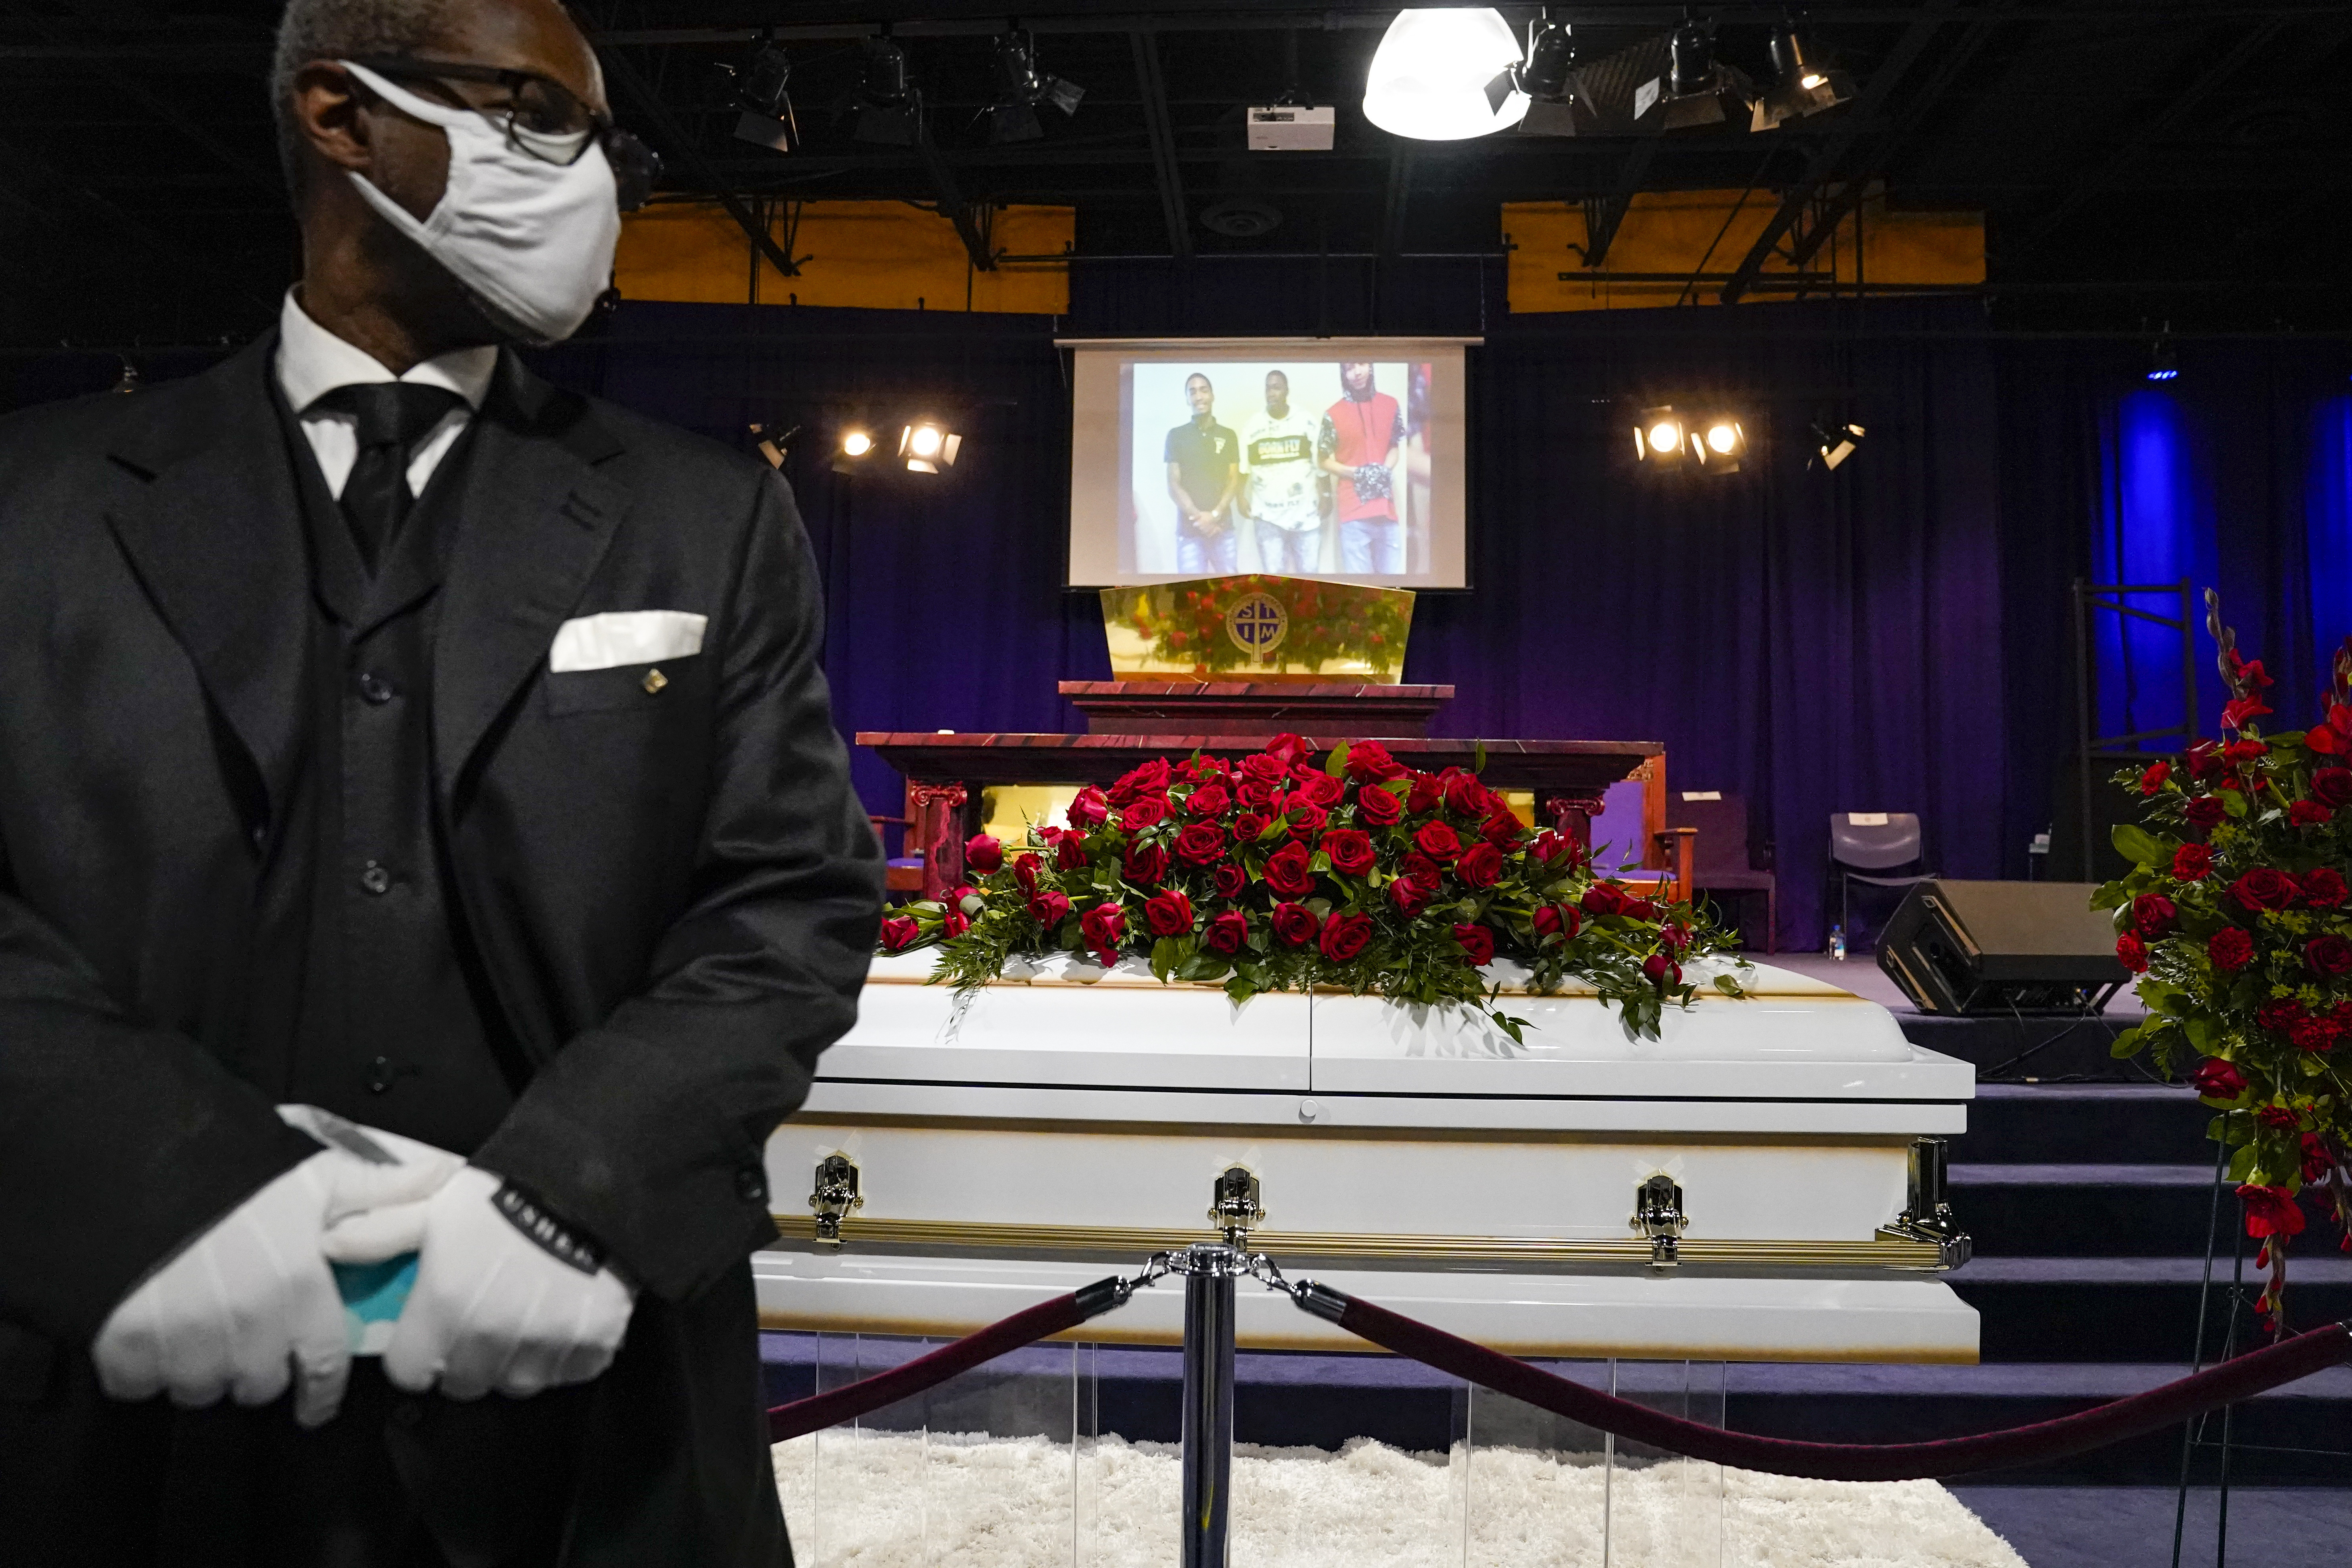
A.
x: 1329, y: 622
x: 1276, y: 873
x: 2237, y: 918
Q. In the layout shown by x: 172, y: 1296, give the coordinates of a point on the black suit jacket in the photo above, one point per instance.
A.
x: 673, y: 894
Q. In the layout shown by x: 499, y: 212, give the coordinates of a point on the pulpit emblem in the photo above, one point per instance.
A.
x: 1257, y: 623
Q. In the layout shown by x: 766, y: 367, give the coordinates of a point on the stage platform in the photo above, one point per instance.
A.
x: 2053, y: 1050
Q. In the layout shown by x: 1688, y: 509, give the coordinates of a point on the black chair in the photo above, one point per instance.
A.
x: 1877, y: 849
x: 1722, y: 861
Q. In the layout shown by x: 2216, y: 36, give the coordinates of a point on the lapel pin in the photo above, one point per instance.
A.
x: 655, y: 681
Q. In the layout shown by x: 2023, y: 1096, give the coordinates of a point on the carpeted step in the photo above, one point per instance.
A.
x: 2044, y: 1124
x: 2088, y: 1210
x: 2129, y: 1309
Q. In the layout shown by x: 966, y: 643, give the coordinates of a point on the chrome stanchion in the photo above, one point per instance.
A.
x: 1209, y: 1271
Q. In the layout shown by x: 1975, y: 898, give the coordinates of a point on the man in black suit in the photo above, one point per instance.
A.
x: 385, y: 731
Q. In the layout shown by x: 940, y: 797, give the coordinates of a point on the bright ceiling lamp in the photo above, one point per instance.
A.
x: 1429, y: 76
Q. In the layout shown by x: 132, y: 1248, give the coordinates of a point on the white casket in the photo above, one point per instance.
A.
x: 1065, y: 1121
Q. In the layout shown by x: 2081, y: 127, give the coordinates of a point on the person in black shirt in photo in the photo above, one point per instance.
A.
x: 1204, y: 473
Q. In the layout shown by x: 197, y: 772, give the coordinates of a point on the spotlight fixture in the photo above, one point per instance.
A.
x: 1021, y: 87
x: 1542, y: 75
x: 1721, y: 442
x: 1695, y: 84
x: 928, y: 446
x: 1660, y: 438
x: 891, y: 108
x: 2163, y: 363
x: 855, y: 446
x: 1428, y: 78
x: 774, y: 445
x: 762, y: 93
x: 1835, y: 440
x: 1803, y: 88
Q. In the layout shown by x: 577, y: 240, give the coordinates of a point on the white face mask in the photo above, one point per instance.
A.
x: 531, y: 241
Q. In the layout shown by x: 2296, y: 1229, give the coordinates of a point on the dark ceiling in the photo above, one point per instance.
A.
x: 2136, y: 159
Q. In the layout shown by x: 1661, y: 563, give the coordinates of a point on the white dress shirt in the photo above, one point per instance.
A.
x: 313, y: 361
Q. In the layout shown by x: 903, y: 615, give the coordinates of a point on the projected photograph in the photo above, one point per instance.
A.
x: 1301, y: 469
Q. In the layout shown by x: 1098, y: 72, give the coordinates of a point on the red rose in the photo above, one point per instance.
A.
x: 1319, y: 790
x: 1673, y: 938
x: 1480, y: 866
x: 1024, y: 871
x: 2153, y: 780
x: 2323, y: 888
x: 2153, y: 915
x: 1426, y: 792
x: 1377, y: 805
x: 1549, y: 846
x: 2275, y: 1116
x: 1231, y: 881
x: 1069, y: 852
x: 1150, y: 779
x: 1640, y: 909
x: 900, y: 932
x: 2132, y: 952
x: 2328, y: 955
x: 1368, y: 760
x: 1465, y: 796
x: 1286, y: 871
x: 1255, y: 794
x: 1663, y: 969
x: 1410, y: 896
x: 1602, y: 898
x: 2231, y: 949
x: 2217, y: 1080
x: 1250, y: 827
x: 2191, y: 862
x: 1350, y: 851
x: 1208, y: 801
x: 1420, y: 868
x: 1294, y: 923
x: 1546, y: 921
x: 2332, y: 786
x: 1477, y: 944
x: 1227, y: 935
x: 2271, y: 1211
x: 982, y: 853
x: 1267, y: 772
x: 2244, y: 751
x: 1438, y: 841
x: 2263, y: 888
x: 1089, y: 810
x: 1050, y: 908
x: 1146, y: 865
x: 2307, y: 814
x: 1201, y: 844
x: 1306, y: 819
x: 1502, y: 829
x: 1289, y: 750
x: 2204, y: 761
x: 1105, y: 928
x: 2316, y: 1160
x: 1345, y: 936
x: 1168, y: 913
x: 1149, y: 812
x: 2205, y: 811
x: 953, y: 923
x: 1201, y: 769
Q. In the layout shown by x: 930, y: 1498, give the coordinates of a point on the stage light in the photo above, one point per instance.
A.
x: 1722, y: 443
x: 1428, y: 78
x: 928, y: 446
x: 856, y: 443
x: 1692, y: 53
x: 1021, y: 87
x: 762, y: 93
x: 891, y: 106
x: 1662, y: 438
x: 1542, y: 75
x: 1803, y: 88
x: 2163, y: 364
x: 1836, y: 440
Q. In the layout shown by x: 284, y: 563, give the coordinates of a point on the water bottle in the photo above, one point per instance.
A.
x: 1837, y: 943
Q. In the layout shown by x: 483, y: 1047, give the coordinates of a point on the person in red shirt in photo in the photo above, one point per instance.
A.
x: 1363, y: 436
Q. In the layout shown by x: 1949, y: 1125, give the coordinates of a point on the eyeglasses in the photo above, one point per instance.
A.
x: 540, y: 118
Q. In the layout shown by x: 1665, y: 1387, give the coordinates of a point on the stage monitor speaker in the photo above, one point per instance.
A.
x: 1960, y: 948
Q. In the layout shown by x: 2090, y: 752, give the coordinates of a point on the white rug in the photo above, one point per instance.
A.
x: 904, y: 1500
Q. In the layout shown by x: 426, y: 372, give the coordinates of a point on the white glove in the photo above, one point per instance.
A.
x: 251, y: 1305
x: 492, y: 1309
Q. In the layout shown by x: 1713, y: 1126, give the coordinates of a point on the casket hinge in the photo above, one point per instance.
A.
x: 1234, y: 1206
x: 1658, y: 1215
x: 834, y: 1198
x: 1927, y: 1214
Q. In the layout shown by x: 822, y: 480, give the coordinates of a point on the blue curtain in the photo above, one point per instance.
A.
x: 2330, y: 527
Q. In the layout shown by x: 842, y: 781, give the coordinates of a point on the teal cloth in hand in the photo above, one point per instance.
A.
x: 374, y: 1294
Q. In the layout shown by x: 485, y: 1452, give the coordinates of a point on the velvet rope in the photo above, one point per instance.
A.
x: 868, y: 1394
x: 2038, y: 1443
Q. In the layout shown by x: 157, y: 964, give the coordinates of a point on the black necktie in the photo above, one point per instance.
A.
x: 392, y: 417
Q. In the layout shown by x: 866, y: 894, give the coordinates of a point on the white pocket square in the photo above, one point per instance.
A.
x: 626, y: 637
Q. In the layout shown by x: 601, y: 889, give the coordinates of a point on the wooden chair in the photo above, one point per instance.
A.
x: 1725, y: 863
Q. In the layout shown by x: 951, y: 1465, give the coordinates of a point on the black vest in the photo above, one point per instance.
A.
x: 366, y: 993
